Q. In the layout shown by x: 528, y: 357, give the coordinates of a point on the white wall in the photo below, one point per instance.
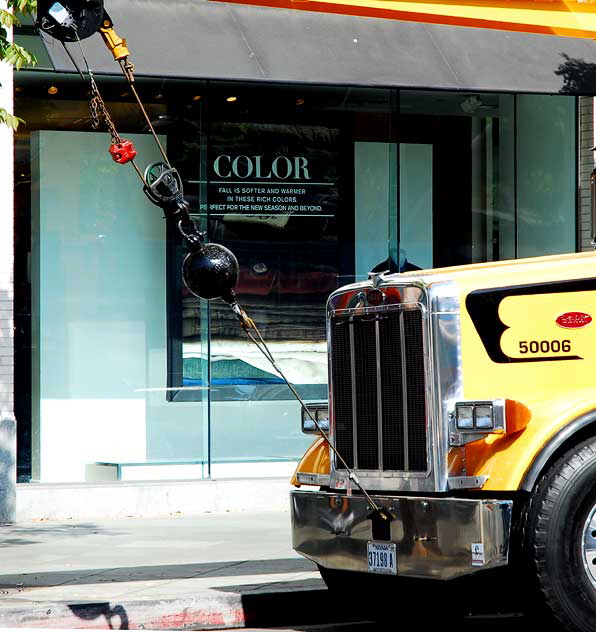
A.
x: 99, y: 313
x: 7, y: 421
x: 6, y: 245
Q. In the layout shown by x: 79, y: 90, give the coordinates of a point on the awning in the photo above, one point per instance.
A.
x: 549, y: 17
x: 214, y: 40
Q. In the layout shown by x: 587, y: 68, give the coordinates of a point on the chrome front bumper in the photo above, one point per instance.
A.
x: 438, y: 538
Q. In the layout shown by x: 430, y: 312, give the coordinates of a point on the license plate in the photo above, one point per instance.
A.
x: 382, y: 558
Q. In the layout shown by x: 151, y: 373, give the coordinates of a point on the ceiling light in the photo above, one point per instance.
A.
x: 231, y: 99
x: 197, y: 97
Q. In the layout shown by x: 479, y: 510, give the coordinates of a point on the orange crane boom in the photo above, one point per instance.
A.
x: 551, y: 17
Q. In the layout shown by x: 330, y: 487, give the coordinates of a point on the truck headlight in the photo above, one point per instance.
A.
x: 320, y: 411
x: 480, y: 417
x: 483, y: 417
x: 471, y: 421
x: 464, y: 416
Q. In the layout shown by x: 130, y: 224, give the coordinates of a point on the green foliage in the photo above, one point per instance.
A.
x: 7, y: 19
x: 27, y: 7
x: 9, y: 119
x: 12, y: 53
x: 18, y: 56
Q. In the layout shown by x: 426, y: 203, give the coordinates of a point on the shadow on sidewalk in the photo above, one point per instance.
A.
x: 302, y: 608
x: 115, y: 616
x: 159, y: 572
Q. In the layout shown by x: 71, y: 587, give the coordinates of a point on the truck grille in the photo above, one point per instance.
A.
x: 378, y: 389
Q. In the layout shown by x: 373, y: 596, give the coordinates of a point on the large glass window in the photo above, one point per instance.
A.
x: 503, y: 172
x: 92, y: 297
x: 127, y: 375
x: 278, y: 187
x: 99, y: 344
x: 547, y: 168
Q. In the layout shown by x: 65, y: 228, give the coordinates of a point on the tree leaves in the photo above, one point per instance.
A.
x: 11, y: 52
x: 8, y: 19
x: 9, y: 119
x: 23, y: 6
x: 18, y: 56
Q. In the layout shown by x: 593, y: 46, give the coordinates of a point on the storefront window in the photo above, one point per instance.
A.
x: 280, y: 189
x: 547, y: 146
x: 92, y: 306
x: 98, y: 278
x: 133, y: 377
x: 497, y: 170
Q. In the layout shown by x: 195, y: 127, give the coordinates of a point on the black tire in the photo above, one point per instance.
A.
x: 552, y: 539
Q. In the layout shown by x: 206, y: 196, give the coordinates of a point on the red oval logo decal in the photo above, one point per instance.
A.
x: 574, y: 320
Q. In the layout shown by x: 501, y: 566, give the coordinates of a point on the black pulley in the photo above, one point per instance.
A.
x: 67, y: 19
x: 211, y: 271
x: 163, y: 186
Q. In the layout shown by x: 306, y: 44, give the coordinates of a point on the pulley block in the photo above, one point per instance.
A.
x: 69, y: 20
x: 163, y: 185
x: 122, y: 152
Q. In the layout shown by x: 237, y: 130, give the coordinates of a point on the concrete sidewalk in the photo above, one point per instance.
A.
x: 215, y: 570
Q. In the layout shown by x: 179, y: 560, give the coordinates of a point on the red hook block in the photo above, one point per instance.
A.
x: 123, y: 152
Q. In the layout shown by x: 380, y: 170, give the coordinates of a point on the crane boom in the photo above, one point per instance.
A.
x: 551, y: 17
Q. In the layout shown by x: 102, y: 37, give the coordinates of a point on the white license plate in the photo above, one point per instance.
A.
x: 382, y: 558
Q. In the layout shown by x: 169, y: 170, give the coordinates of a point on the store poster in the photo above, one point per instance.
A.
x: 272, y: 172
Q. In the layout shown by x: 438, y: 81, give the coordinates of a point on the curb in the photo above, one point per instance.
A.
x: 203, y: 612
x: 153, y: 499
x: 207, y: 611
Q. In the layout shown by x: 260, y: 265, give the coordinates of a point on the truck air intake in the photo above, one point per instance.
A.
x: 379, y: 390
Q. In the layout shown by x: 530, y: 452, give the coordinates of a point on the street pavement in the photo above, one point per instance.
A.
x: 213, y: 570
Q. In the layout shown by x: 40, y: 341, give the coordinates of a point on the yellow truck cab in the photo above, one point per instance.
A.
x: 464, y: 401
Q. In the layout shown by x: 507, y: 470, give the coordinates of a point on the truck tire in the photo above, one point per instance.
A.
x: 559, y: 541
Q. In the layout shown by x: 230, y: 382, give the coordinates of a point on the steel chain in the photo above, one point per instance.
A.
x: 94, y: 110
x: 98, y: 110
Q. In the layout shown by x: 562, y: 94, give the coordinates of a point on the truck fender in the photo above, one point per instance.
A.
x: 572, y: 434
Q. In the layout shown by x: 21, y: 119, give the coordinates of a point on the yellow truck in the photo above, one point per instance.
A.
x: 464, y: 401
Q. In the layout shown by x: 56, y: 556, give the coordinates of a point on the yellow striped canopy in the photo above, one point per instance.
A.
x: 555, y: 17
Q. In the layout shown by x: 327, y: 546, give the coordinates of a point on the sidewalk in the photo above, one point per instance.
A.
x: 215, y: 570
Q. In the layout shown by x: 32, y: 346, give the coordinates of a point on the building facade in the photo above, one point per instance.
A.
x: 7, y: 418
x: 312, y: 174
